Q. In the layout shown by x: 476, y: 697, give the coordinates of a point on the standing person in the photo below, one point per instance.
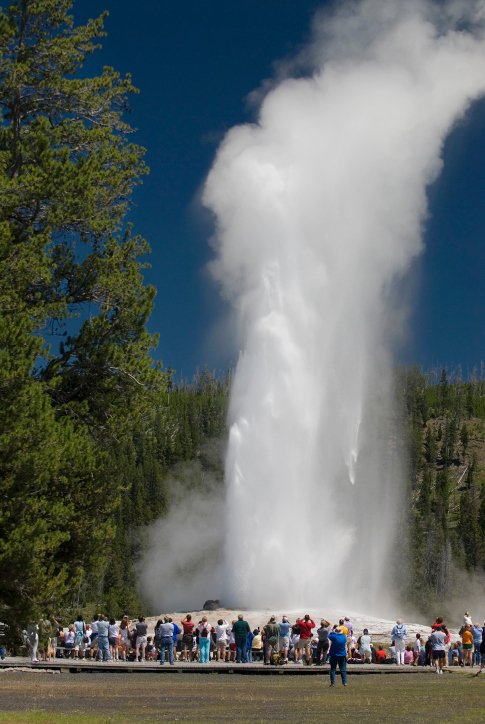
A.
x: 351, y: 643
x: 204, y: 629
x: 222, y: 638
x: 249, y: 647
x: 477, y: 642
x: 294, y: 642
x: 79, y: 631
x: 94, y: 628
x: 166, y: 640
x: 270, y: 633
x: 323, y: 642
x: 482, y: 649
x: 438, y: 638
x: 417, y: 649
x: 338, y: 655
x: 284, y: 628
x: 365, y: 647
x: 176, y: 632
x: 305, y: 643
x: 113, y: 630
x: 241, y: 632
x: 85, y: 648
x: 141, y: 638
x: 399, y: 634
x: 124, y: 640
x: 45, y: 633
x: 187, y: 637
x: 103, y: 640
x: 466, y: 633
x: 231, y: 654
x: 3, y: 640
x: 32, y: 637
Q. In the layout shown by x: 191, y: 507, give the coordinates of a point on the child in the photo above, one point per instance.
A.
x: 150, y: 650
x: 417, y: 649
x: 381, y: 655
x: 408, y: 655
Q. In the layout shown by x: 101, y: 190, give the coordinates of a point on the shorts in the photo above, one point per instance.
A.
x: 187, y: 642
x: 284, y: 642
x: 467, y: 647
x: 304, y: 644
x: 232, y: 647
x: 221, y: 645
x: 113, y: 641
x: 141, y: 640
x: 440, y: 654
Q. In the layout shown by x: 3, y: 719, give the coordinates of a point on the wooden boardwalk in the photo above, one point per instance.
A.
x: 253, y: 669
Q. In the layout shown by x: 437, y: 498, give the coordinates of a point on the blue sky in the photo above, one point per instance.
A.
x: 195, y: 62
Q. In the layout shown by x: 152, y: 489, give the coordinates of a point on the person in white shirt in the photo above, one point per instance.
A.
x: 222, y: 629
x: 365, y: 647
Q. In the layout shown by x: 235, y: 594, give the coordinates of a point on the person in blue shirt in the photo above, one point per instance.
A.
x: 477, y: 641
x: 176, y: 631
x: 338, y: 655
x: 284, y: 633
x: 249, y: 647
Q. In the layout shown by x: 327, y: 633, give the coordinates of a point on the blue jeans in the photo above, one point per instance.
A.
x: 3, y: 652
x: 166, y: 644
x: 204, y: 644
x: 241, y: 650
x: 477, y: 657
x: 103, y: 648
x: 342, y: 664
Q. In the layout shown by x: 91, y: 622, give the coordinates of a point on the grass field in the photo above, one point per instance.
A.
x: 31, y: 698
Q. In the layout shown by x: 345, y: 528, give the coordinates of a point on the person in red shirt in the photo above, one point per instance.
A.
x: 381, y: 655
x: 187, y: 637
x: 305, y: 643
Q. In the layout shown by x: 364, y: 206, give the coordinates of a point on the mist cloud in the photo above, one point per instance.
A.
x: 319, y: 208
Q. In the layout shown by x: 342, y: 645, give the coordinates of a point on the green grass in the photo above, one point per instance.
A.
x: 97, y: 698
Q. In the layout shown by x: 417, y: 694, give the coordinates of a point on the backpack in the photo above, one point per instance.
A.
x: 204, y: 633
x: 275, y: 659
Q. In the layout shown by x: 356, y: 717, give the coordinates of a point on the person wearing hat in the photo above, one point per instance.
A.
x: 284, y: 628
x: 338, y: 655
x: 271, y: 634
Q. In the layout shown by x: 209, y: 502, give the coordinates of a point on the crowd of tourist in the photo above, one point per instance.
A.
x: 301, y: 642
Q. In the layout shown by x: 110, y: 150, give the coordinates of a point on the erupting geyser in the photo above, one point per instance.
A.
x: 319, y: 209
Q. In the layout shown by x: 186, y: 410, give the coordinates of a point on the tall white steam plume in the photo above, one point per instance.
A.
x: 320, y: 206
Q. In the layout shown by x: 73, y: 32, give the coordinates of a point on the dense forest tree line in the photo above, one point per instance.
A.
x: 445, y: 425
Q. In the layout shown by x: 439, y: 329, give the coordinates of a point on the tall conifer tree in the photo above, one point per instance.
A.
x: 75, y: 365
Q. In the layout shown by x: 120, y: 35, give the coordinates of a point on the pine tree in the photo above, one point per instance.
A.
x: 77, y: 373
